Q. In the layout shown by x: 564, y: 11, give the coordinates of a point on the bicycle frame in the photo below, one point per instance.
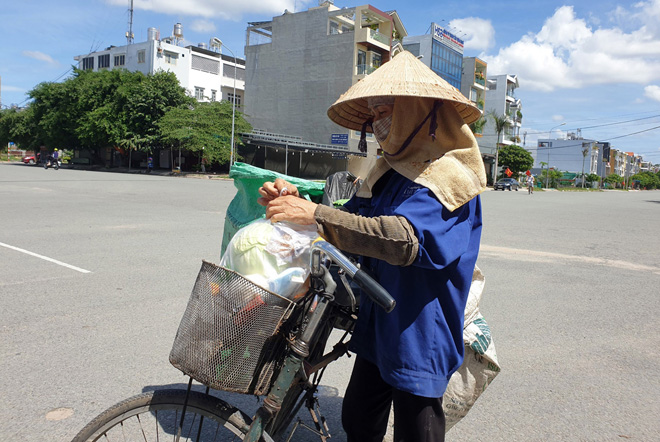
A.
x: 323, y: 289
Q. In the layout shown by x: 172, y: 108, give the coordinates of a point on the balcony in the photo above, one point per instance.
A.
x: 375, y: 38
x: 375, y: 35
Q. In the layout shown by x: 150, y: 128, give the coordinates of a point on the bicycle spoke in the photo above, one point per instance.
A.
x: 144, y: 436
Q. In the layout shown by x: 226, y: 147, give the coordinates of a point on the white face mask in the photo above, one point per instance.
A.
x: 381, y: 128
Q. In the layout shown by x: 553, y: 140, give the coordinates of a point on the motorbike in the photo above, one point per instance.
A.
x: 50, y: 161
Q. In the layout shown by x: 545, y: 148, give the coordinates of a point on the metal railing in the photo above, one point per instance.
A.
x: 382, y: 38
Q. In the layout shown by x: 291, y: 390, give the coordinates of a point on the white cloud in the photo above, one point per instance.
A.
x: 478, y: 34
x: 41, y: 57
x: 203, y: 26
x: 652, y: 92
x: 223, y: 9
x: 6, y: 88
x: 567, y: 53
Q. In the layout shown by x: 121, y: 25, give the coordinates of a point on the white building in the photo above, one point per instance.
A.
x: 500, y: 100
x: 569, y: 155
x: 203, y: 70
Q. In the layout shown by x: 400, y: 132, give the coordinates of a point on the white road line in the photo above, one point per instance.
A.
x: 45, y: 258
x: 522, y: 254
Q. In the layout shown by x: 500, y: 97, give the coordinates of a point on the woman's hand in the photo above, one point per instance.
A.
x: 291, y: 208
x: 269, y: 191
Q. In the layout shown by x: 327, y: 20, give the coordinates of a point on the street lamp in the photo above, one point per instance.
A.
x: 233, y: 111
x: 547, y: 175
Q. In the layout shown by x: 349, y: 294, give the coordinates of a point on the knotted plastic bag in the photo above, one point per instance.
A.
x: 274, y: 256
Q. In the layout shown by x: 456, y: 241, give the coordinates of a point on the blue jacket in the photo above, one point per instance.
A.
x: 419, y: 345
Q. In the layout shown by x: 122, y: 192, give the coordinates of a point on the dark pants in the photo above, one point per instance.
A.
x: 366, y: 409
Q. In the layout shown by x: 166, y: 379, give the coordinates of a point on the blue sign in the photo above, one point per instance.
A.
x: 339, y: 139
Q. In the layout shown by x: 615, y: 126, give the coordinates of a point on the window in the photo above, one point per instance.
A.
x: 199, y: 93
x: 88, y: 63
x: 171, y: 57
x: 205, y: 64
x: 228, y: 71
x: 361, y: 62
x: 236, y: 99
x: 214, y: 95
x: 376, y: 59
x: 120, y: 60
x: 104, y: 61
x: 141, y: 56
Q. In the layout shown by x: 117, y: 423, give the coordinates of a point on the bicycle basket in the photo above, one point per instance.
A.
x: 229, y: 337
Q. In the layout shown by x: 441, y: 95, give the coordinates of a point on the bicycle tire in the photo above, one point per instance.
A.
x: 156, y: 415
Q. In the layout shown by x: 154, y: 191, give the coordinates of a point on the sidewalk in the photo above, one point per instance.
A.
x: 156, y: 172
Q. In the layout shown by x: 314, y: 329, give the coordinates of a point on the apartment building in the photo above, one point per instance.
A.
x: 473, y: 81
x: 203, y: 70
x: 297, y: 65
x: 441, y: 51
x: 500, y: 99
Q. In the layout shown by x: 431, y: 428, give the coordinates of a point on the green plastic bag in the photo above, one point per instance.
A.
x: 244, y: 208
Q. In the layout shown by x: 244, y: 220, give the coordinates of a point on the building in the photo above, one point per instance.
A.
x: 473, y: 81
x: 473, y: 87
x: 441, y: 51
x: 297, y: 65
x: 500, y: 100
x: 572, y: 154
x: 203, y: 70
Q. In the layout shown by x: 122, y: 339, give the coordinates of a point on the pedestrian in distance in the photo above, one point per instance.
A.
x: 530, y: 184
x: 416, y: 223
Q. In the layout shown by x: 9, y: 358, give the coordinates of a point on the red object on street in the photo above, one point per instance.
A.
x: 508, y: 172
x: 528, y: 173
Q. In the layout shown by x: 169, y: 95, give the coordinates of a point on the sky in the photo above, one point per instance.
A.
x: 593, y: 65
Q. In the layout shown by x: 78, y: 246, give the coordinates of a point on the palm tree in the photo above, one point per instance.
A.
x: 500, y: 122
x: 478, y: 125
x: 585, y: 151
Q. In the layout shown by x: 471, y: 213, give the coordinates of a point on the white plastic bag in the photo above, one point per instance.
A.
x: 274, y: 256
x: 480, y: 365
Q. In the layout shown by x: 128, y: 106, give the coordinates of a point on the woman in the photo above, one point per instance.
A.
x: 416, y: 221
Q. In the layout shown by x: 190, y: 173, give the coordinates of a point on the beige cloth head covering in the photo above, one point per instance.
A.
x: 450, y: 164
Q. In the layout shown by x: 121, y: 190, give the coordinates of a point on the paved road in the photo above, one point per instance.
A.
x: 572, y: 282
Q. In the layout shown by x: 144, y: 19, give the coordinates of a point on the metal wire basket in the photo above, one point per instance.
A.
x: 230, y: 335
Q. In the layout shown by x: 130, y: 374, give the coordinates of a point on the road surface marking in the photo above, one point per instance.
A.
x: 522, y: 254
x: 45, y: 258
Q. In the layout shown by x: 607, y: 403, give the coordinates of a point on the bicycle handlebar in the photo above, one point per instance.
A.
x: 375, y: 291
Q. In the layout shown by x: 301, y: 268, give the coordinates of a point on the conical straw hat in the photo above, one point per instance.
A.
x: 406, y: 76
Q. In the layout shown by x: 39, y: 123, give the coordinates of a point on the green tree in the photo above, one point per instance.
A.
x: 647, y: 180
x: 516, y: 158
x: 478, y: 126
x: 551, y: 176
x: 146, y: 99
x: 93, y: 110
x: 18, y: 125
x: 204, y: 129
x: 613, y: 179
x: 593, y: 178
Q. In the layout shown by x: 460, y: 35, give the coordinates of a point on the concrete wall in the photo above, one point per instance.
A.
x: 321, y: 64
x: 565, y: 155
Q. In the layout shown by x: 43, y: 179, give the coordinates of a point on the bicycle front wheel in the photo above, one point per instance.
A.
x: 156, y: 416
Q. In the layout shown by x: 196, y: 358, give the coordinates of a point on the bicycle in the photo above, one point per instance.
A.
x: 236, y: 336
